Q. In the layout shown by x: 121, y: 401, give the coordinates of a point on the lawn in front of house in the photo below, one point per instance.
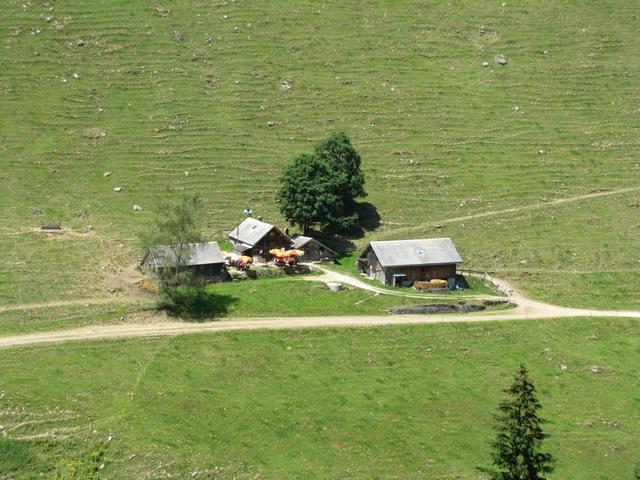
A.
x: 295, y: 296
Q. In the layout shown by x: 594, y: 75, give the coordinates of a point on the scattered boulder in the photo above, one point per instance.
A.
x: 80, y: 43
x: 76, y: 76
x: 485, y: 64
x: 595, y: 369
x: 286, y: 86
x: 137, y: 208
x: 94, y: 134
x: 161, y: 10
x: 236, y: 29
x: 542, y: 152
x: 35, y: 211
x: 106, y: 174
x: 178, y: 35
x: 117, y: 189
x: 501, y: 60
x: 271, y: 124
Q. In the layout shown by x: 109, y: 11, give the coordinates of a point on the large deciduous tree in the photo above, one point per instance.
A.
x: 517, y: 454
x: 344, y: 160
x: 321, y: 188
x: 308, y: 192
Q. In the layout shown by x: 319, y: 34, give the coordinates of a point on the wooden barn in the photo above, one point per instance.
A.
x: 314, y: 251
x: 205, y: 259
x: 255, y: 238
x: 402, y: 262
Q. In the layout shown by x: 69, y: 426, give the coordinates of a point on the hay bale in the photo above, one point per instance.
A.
x: 430, y: 285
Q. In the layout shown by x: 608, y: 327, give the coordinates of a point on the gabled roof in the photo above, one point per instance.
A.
x: 300, y: 241
x: 193, y: 254
x: 405, y: 253
x: 251, y: 231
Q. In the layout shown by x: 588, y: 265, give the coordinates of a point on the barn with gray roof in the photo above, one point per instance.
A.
x: 314, y: 251
x: 205, y: 259
x: 255, y: 238
x: 402, y: 262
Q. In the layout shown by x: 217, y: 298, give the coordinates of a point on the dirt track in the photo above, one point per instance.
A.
x: 493, y: 213
x: 527, y: 309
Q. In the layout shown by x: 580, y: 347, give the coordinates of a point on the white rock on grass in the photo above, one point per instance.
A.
x: 137, y: 208
x: 106, y: 174
x: 117, y: 189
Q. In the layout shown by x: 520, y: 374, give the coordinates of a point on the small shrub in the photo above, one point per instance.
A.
x: 268, y: 271
x: 14, y: 455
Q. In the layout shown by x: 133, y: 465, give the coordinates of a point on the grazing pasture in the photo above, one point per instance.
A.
x: 393, y: 402
x: 532, y: 168
x: 178, y: 97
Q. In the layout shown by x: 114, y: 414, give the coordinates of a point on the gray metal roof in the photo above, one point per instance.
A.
x: 432, y: 251
x: 194, y: 254
x: 250, y: 231
x: 301, y: 241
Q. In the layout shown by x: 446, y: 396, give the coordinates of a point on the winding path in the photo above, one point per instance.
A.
x: 526, y: 309
x: 533, y: 206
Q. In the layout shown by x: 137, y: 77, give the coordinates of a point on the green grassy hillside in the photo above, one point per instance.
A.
x: 387, y: 403
x: 151, y: 91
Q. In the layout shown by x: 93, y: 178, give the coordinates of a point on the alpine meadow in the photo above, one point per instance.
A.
x: 510, y: 127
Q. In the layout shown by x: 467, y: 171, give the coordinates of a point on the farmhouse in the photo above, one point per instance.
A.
x: 402, y: 262
x: 255, y: 238
x: 314, y: 251
x: 204, y: 259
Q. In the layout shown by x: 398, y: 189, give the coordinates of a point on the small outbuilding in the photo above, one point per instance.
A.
x: 255, y: 238
x: 314, y: 251
x: 402, y: 262
x: 205, y: 259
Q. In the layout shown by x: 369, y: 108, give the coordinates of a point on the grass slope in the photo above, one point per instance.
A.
x: 274, y: 297
x: 396, y: 402
x: 191, y: 86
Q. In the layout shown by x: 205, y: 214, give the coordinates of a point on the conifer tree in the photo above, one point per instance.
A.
x: 517, y: 454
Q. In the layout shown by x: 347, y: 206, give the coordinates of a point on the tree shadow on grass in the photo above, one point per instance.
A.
x: 342, y: 242
x: 199, y: 305
x: 369, y: 218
